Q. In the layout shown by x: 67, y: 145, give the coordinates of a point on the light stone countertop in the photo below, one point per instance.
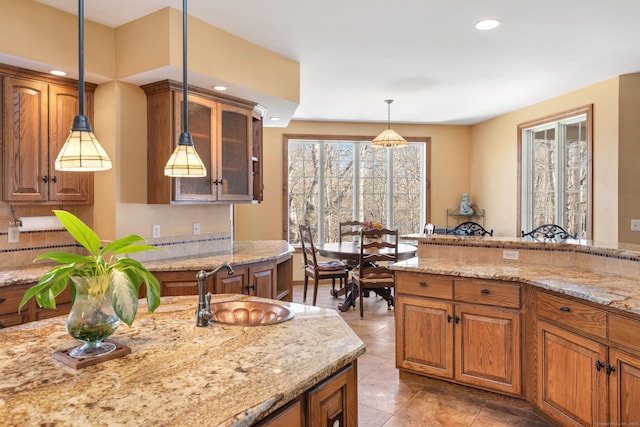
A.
x: 177, y: 373
x: 240, y: 252
x: 609, y: 290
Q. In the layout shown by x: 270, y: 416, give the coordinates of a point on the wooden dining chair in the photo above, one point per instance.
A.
x: 319, y: 270
x: 378, y: 250
x: 349, y: 230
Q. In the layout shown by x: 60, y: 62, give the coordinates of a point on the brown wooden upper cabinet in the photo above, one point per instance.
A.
x: 223, y: 131
x: 37, y: 114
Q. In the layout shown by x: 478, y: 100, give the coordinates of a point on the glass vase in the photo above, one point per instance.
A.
x: 92, y: 318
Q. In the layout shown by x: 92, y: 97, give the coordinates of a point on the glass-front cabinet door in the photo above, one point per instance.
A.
x: 235, y: 149
x: 202, y: 114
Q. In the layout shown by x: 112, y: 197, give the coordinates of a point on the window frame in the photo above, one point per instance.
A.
x: 354, y: 138
x: 548, y: 120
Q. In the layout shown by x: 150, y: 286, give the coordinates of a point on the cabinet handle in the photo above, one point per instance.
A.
x: 565, y: 309
x: 425, y: 284
x: 45, y: 179
x: 457, y: 319
x: 484, y: 291
x: 610, y: 369
x: 599, y: 365
x: 449, y: 318
x: 2, y: 300
x: 54, y: 179
x: 249, y: 288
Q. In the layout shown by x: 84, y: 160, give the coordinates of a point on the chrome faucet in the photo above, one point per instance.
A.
x: 204, y: 312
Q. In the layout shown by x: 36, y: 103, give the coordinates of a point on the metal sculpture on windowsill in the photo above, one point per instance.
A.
x: 549, y: 232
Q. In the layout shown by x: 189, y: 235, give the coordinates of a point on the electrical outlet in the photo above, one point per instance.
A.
x: 196, y: 228
x: 156, y: 231
x: 14, y: 234
x: 510, y: 254
x: 635, y: 225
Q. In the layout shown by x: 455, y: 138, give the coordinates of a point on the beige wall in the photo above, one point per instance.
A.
x: 628, y: 178
x: 450, y: 145
x: 494, y: 159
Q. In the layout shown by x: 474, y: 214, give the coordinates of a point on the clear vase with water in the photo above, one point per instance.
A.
x: 92, y: 318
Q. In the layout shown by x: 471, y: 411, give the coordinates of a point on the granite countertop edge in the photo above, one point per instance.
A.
x: 241, y: 252
x: 609, y: 290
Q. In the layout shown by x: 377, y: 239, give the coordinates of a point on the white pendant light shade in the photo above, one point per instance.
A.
x: 81, y: 151
x: 389, y: 137
x: 185, y: 162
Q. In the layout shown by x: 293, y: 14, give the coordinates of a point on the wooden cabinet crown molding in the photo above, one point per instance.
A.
x: 164, y: 85
x: 13, y: 71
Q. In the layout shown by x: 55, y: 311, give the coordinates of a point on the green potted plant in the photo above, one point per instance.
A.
x: 106, y: 285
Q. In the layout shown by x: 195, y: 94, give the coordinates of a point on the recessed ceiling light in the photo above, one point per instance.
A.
x: 487, y: 24
x: 220, y: 88
x: 58, y: 73
x: 274, y: 118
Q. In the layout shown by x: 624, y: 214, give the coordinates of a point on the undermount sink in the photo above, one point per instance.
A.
x: 250, y: 313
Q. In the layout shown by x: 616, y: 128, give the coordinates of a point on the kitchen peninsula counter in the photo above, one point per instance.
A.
x: 606, y: 274
x: 177, y: 373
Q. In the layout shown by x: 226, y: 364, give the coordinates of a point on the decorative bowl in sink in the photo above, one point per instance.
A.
x: 250, y: 313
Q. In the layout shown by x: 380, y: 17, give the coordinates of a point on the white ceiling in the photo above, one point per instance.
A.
x: 424, y: 54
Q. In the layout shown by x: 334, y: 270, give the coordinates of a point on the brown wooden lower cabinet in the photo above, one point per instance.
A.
x: 571, y: 387
x: 476, y: 344
x: 588, y: 363
x: 582, y: 359
x: 332, y: 403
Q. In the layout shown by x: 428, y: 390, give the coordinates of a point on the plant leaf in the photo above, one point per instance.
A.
x: 135, y: 248
x: 79, y: 230
x: 63, y: 257
x: 122, y: 242
x: 124, y: 296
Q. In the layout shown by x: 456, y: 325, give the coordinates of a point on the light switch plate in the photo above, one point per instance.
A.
x: 196, y: 228
x: 510, y: 254
x: 635, y: 225
x: 156, y: 231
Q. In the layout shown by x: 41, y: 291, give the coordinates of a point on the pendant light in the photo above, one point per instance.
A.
x: 81, y: 151
x: 185, y: 162
x: 389, y: 137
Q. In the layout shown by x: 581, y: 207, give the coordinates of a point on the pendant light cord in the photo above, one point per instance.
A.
x: 185, y: 124
x: 81, y: 57
x: 389, y: 101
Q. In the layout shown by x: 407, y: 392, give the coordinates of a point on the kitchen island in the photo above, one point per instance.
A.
x: 177, y: 373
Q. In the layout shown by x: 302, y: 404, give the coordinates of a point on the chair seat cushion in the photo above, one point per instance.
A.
x: 331, y: 266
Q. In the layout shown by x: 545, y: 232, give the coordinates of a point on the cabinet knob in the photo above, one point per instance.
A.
x: 565, y: 309
x: 484, y: 291
x: 423, y: 284
x: 599, y: 365
x: 54, y: 179
x: 610, y: 369
x: 449, y: 318
x: 457, y: 319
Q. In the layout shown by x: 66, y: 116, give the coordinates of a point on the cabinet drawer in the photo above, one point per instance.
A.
x: 12, y: 320
x: 10, y: 297
x: 573, y: 314
x: 488, y: 292
x: 425, y: 285
x: 624, y: 331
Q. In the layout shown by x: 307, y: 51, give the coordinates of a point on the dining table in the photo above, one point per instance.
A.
x: 350, y: 251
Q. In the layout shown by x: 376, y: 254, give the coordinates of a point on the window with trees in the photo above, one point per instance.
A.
x: 331, y: 179
x: 555, y: 172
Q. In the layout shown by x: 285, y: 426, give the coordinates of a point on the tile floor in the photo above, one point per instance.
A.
x: 386, y: 400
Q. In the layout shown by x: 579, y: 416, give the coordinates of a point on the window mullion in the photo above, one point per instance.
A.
x: 356, y: 181
x: 389, y: 207
x: 321, y: 190
x: 560, y: 174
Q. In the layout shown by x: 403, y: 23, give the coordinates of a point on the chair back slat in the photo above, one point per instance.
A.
x: 378, y: 248
x: 308, y: 249
x: 350, y: 229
